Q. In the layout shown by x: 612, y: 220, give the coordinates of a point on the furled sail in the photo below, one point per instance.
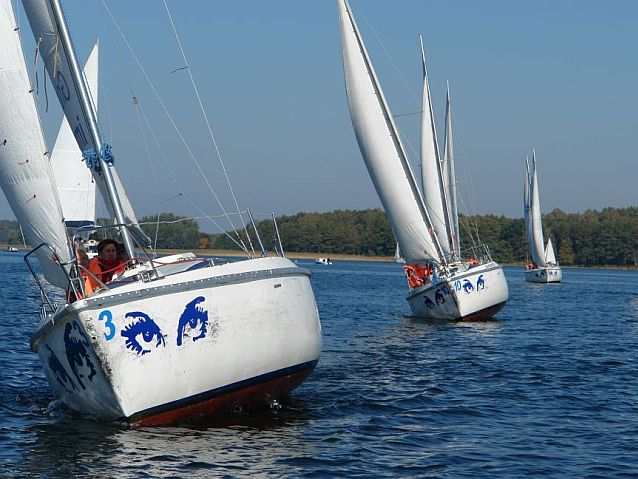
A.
x: 536, y: 226
x: 58, y: 63
x: 25, y: 172
x: 432, y: 177
x: 449, y: 179
x: 381, y: 147
x: 76, y: 187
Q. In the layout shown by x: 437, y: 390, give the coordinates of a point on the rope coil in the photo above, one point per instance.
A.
x: 92, y: 160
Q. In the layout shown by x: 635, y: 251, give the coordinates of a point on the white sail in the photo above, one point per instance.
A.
x: 398, y: 258
x: 58, y: 64
x: 431, y: 174
x: 526, y: 203
x: 536, y: 239
x: 550, y: 256
x: 381, y: 147
x: 449, y: 178
x: 76, y: 187
x: 25, y: 172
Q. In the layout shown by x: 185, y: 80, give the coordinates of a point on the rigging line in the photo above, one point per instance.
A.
x: 137, y: 108
x: 181, y: 192
x: 430, y: 211
x: 386, y: 51
x: 408, y: 114
x: 472, y: 192
x: 201, y: 106
x: 239, y: 243
x: 170, y: 118
x: 179, y: 220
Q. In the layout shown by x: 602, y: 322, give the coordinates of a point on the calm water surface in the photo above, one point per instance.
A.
x: 547, y: 389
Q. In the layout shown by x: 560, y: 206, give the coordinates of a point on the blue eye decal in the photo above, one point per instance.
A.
x: 60, y: 374
x: 141, y: 333
x: 193, y: 323
x: 428, y: 302
x: 467, y: 286
x: 77, y: 354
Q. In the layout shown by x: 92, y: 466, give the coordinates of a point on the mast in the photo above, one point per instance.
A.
x: 100, y: 148
x: 451, y: 177
x: 434, y: 192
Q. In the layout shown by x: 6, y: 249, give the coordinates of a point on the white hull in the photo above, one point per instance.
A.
x: 478, y: 293
x: 187, y: 345
x: 547, y: 274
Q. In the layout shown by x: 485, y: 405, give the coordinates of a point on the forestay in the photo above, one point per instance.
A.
x: 25, y: 172
x: 381, y: 147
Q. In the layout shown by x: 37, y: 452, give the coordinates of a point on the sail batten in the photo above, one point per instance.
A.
x: 382, y: 150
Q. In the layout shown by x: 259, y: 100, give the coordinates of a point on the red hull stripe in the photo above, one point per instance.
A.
x: 253, y: 392
x: 484, y: 313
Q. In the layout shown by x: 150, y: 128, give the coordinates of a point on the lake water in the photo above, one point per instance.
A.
x: 547, y: 389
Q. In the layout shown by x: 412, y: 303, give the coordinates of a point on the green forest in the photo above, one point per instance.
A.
x: 593, y: 238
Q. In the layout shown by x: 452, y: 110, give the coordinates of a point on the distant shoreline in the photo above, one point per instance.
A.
x: 292, y: 255
x: 312, y: 256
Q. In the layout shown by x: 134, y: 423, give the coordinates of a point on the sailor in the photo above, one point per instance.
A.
x: 106, y: 263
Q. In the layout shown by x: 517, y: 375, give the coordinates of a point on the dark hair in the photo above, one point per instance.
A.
x: 104, y: 243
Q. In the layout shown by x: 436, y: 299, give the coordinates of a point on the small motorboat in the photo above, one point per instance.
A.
x: 325, y: 261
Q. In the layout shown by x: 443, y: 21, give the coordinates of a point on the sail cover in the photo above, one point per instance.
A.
x: 381, y: 147
x: 25, y: 171
x: 57, y: 61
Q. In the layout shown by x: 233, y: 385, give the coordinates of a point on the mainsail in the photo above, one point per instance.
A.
x: 382, y: 150
x: 74, y: 101
x: 432, y: 177
x: 76, y: 187
x: 25, y: 172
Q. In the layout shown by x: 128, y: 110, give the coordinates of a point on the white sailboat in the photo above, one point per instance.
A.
x: 544, y: 268
x: 442, y: 284
x: 397, y: 255
x: 165, y: 342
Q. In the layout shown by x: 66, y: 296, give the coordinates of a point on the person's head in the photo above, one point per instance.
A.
x: 107, y: 250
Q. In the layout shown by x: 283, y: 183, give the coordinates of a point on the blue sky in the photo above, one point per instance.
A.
x: 559, y: 76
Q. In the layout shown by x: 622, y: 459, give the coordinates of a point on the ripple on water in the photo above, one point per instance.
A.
x: 547, y: 390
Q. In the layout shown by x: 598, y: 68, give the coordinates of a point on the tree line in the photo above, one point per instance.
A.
x: 593, y: 238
